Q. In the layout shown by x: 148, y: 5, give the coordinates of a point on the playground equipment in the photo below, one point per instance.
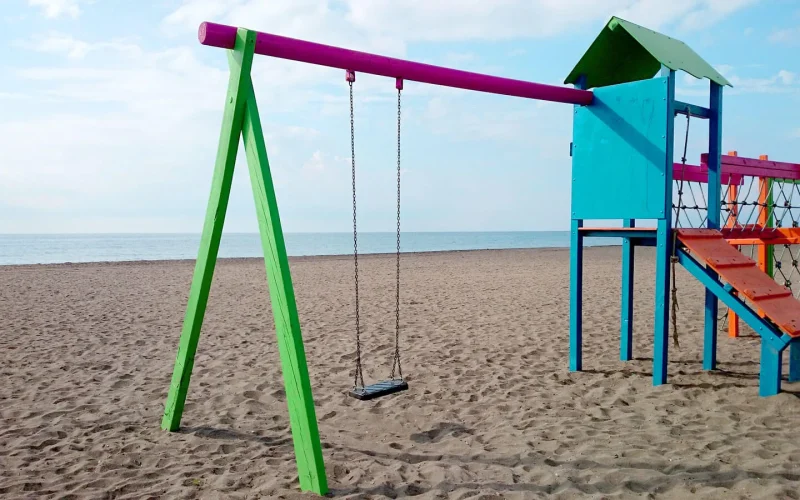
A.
x: 395, y: 382
x: 241, y: 118
x: 623, y: 147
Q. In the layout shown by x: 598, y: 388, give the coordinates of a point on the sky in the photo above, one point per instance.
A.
x: 110, y: 110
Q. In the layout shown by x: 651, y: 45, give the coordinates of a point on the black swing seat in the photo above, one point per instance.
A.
x: 378, y: 389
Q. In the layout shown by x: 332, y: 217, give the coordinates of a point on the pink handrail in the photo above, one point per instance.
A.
x: 223, y: 36
x: 752, y: 167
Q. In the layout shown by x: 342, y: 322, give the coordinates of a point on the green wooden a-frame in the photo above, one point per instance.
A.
x: 241, y: 119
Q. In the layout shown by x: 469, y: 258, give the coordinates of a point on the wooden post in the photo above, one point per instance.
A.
x: 576, y: 297
x: 714, y: 172
x: 232, y: 119
x: 576, y: 280
x: 733, y: 197
x: 626, y: 313
x: 305, y: 433
x: 664, y: 247
x: 766, y: 219
x: 241, y: 117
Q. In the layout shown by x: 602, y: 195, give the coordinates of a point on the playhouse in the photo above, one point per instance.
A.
x: 624, y: 111
x: 623, y: 148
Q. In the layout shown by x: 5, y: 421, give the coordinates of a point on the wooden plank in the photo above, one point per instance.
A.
x: 757, y: 167
x: 299, y: 398
x: 767, y: 296
x: 212, y: 229
x: 683, y: 108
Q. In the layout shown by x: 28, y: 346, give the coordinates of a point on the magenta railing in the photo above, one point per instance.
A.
x: 752, y: 167
x: 699, y: 173
x: 220, y: 35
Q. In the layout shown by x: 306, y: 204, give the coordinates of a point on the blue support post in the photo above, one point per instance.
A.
x: 664, y: 246
x: 576, y: 297
x: 626, y: 326
x: 773, y: 342
x: 576, y: 279
x: 714, y: 161
x: 769, y: 382
x: 794, y: 361
x: 661, y: 336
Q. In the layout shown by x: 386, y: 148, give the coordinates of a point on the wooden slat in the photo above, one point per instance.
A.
x: 776, y: 302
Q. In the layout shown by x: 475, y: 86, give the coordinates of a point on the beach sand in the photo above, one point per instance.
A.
x: 87, y: 351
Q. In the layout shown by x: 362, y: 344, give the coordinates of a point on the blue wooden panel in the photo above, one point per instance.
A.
x: 619, y: 160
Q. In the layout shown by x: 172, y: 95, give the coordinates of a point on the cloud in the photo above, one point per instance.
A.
x: 788, y: 36
x: 389, y: 25
x: 53, y: 9
x: 783, y: 81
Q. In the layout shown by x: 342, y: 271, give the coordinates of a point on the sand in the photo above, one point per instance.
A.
x: 87, y: 350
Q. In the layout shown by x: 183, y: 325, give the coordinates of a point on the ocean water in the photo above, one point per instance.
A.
x: 58, y: 248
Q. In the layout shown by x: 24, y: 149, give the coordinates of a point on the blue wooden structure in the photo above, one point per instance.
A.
x: 622, y: 169
x: 622, y: 160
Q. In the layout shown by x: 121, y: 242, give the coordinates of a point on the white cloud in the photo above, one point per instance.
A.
x: 789, y: 35
x: 56, y: 8
x: 784, y: 81
x: 389, y: 25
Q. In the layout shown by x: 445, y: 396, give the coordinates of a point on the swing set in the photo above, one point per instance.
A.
x: 622, y: 146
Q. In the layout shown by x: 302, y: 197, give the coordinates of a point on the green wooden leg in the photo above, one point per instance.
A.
x: 302, y: 416
x: 236, y: 99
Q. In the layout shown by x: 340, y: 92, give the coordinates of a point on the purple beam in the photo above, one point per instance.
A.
x: 220, y: 35
x: 757, y: 168
x: 697, y: 173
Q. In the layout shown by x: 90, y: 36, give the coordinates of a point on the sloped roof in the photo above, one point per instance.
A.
x: 626, y: 52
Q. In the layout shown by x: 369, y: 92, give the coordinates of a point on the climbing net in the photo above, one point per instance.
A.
x: 753, y: 204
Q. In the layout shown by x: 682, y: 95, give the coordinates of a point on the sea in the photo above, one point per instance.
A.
x: 60, y: 248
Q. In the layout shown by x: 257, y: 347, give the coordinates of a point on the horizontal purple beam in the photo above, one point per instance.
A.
x: 220, y: 35
x: 697, y: 173
x: 757, y: 168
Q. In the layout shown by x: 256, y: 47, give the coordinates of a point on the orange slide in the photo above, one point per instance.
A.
x: 742, y: 273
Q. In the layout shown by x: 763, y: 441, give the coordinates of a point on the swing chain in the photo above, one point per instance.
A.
x: 396, y: 361
x: 358, y: 381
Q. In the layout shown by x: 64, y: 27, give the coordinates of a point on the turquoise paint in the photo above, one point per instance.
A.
x: 714, y: 199
x: 664, y: 242
x: 626, y: 312
x: 576, y: 297
x: 661, y: 335
x: 773, y: 342
x: 794, y: 361
x: 620, y: 152
x: 769, y: 379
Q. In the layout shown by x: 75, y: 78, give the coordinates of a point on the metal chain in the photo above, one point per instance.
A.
x: 358, y: 381
x: 396, y: 361
x: 674, y: 257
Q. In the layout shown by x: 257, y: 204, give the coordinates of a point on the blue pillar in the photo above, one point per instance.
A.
x: 769, y: 382
x: 714, y: 207
x: 626, y: 324
x: 664, y: 246
x: 661, y: 337
x: 576, y: 296
x: 794, y: 361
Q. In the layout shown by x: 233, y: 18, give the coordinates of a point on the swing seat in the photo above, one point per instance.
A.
x: 379, y: 389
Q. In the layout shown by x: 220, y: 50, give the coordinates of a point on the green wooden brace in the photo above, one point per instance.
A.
x: 241, y: 118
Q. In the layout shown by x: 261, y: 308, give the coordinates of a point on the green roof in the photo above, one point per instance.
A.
x: 626, y: 52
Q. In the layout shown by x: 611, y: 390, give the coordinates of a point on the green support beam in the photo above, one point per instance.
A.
x: 241, y: 118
